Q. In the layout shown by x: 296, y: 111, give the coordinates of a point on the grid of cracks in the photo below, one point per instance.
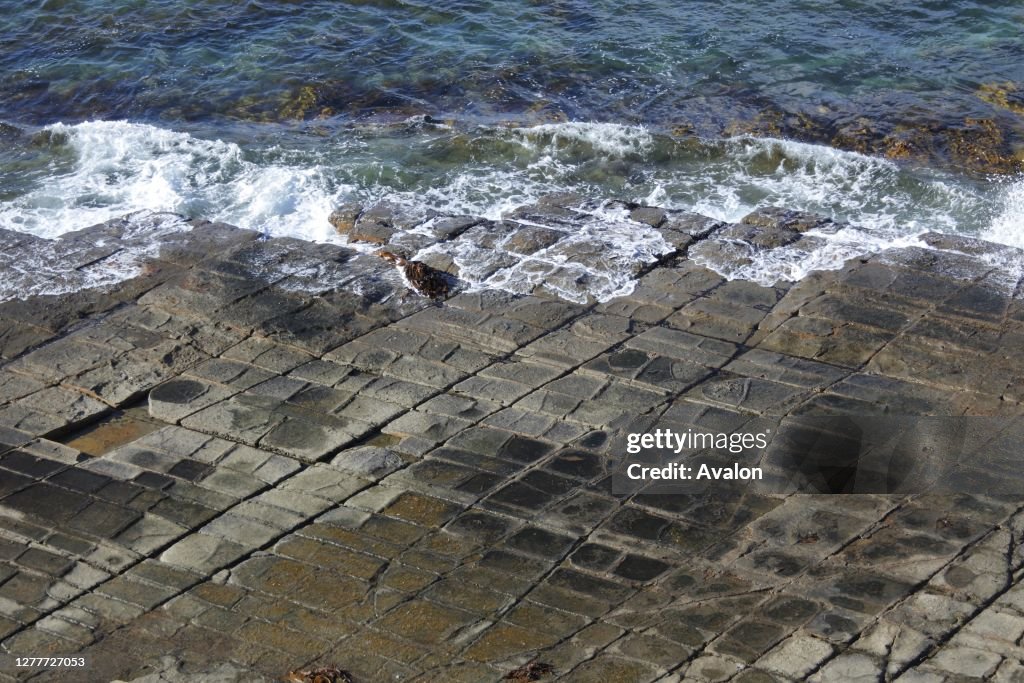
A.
x: 1013, y: 576
x: 658, y: 409
x: 303, y: 467
x: 568, y: 322
x: 740, y: 349
x: 964, y: 551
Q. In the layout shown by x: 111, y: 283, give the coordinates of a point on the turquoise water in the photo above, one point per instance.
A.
x: 168, y: 61
x: 267, y: 114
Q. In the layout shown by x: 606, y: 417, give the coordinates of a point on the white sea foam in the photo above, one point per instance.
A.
x: 612, y: 139
x: 871, y: 192
x: 598, y: 260
x: 45, y: 267
x: 124, y: 167
x: 882, y: 204
x: 119, y: 167
x: 1008, y: 226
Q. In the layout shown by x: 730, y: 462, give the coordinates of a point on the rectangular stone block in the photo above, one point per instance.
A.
x: 150, y: 533
x: 718, y: 319
x: 503, y: 391
x: 140, y: 593
x: 412, y: 369
x: 202, y: 553
x: 786, y: 369
x: 236, y: 420
x: 131, y: 375
x: 200, y: 291
x: 323, y: 482
x: 16, y: 337
x: 64, y: 358
x: 234, y: 374
x: 426, y: 425
x: 310, y: 441
x: 712, y: 353
x: 29, y: 420
x: 564, y: 348
x: 244, y: 531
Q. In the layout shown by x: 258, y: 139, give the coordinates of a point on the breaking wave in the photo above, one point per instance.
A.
x: 79, y: 175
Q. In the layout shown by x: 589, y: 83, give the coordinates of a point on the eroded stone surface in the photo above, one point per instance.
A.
x: 352, y: 475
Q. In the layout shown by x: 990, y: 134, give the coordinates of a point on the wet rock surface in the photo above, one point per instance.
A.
x: 349, y: 475
x: 344, y: 217
x: 986, y: 141
x: 377, y: 224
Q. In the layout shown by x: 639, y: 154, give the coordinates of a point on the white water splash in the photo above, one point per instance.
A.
x: 53, y: 267
x: 116, y: 168
x: 1008, y: 226
x: 122, y: 167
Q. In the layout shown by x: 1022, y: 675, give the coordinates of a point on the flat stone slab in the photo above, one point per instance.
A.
x: 342, y: 473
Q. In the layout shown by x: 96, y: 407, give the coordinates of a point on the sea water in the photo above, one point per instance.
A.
x: 268, y: 114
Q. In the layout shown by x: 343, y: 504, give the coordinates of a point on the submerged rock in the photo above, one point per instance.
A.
x: 977, y: 144
x: 530, y: 239
x: 1007, y: 95
x: 302, y: 103
x: 981, y: 146
x: 8, y: 132
x: 344, y: 217
x: 379, y: 223
x: 49, y: 138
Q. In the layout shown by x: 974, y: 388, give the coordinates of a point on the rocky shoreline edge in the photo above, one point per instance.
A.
x: 260, y: 456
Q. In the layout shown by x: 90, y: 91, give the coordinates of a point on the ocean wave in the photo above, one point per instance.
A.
x: 95, y: 171
x: 1008, y: 225
x: 121, y: 167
